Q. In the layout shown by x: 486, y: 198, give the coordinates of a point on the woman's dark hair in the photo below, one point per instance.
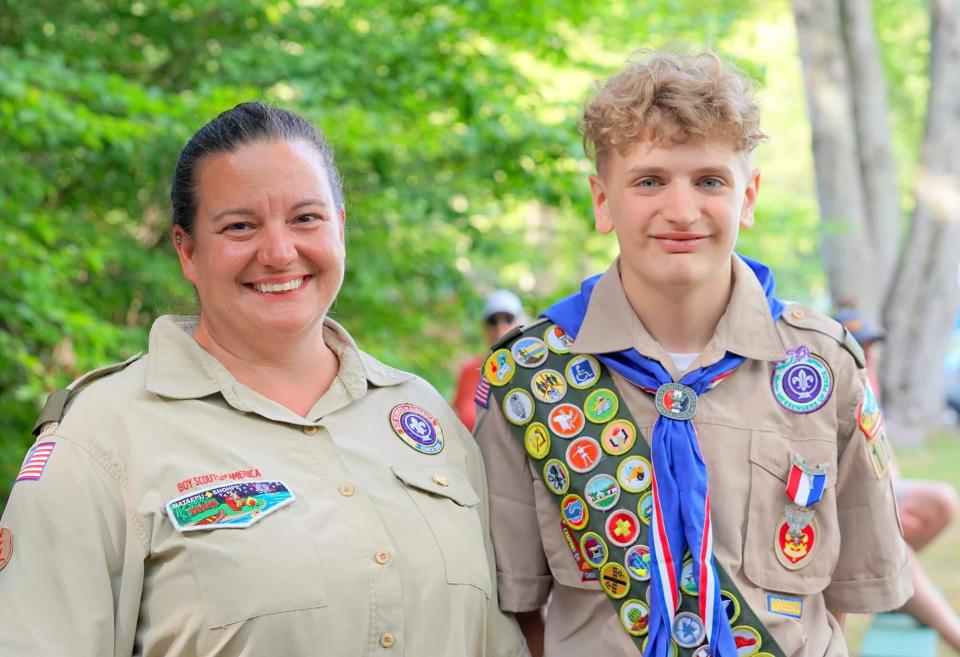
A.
x: 245, y: 123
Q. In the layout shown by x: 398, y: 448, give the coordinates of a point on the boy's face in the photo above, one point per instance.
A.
x: 676, y: 210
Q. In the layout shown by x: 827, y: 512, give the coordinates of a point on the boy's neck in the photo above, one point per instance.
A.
x: 681, y: 319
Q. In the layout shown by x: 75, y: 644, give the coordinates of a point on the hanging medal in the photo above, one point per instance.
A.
x: 798, y: 535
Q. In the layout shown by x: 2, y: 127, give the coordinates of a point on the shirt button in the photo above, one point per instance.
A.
x: 798, y: 314
x: 387, y: 640
x: 440, y: 480
x: 310, y: 430
x: 382, y: 557
x: 347, y: 489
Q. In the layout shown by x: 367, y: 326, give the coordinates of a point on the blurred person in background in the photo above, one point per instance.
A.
x: 926, y: 508
x: 502, y: 312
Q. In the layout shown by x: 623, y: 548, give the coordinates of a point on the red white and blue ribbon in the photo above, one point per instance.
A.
x: 681, y: 501
x: 805, y: 485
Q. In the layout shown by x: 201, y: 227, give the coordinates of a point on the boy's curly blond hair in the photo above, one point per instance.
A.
x: 671, y: 96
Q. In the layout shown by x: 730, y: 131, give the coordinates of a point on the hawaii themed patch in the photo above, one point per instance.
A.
x: 868, y: 417
x: 803, y: 382
x: 417, y: 428
x: 233, y: 506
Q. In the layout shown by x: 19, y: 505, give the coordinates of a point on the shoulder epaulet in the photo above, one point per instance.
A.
x: 516, y: 332
x: 803, y: 317
x: 57, y: 402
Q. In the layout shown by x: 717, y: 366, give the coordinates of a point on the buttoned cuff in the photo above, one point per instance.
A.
x: 520, y: 593
x: 867, y: 596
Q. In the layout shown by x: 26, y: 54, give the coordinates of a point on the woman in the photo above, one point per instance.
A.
x: 255, y: 485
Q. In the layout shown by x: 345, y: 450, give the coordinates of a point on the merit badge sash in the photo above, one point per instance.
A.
x: 566, y: 410
x: 232, y: 506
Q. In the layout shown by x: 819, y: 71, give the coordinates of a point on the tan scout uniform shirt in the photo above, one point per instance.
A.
x: 384, y: 551
x: 748, y: 440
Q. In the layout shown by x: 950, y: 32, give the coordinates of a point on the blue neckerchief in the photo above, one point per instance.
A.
x: 681, y: 515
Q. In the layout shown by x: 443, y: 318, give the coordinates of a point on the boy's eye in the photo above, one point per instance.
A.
x: 711, y: 183
x: 647, y: 183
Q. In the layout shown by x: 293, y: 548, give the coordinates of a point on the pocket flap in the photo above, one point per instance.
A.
x: 775, y: 455
x: 438, y: 480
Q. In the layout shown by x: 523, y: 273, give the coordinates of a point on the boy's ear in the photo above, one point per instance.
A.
x: 750, y: 199
x: 601, y: 208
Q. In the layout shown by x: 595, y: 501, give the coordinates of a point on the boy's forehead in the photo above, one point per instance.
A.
x: 670, y: 151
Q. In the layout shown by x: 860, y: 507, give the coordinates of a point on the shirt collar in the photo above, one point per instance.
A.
x: 746, y: 327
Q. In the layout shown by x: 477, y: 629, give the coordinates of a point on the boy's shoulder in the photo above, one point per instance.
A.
x: 803, y: 322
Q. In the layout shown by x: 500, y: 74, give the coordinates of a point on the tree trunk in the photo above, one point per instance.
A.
x: 926, y: 298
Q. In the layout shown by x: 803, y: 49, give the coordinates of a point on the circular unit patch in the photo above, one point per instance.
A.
x: 602, y: 492
x: 566, y: 420
x: 6, y: 546
x: 417, y: 428
x: 499, y: 368
x: 583, y: 372
x: 676, y: 401
x: 518, y: 406
x: 747, y: 640
x: 688, y: 630
x: 601, y: 406
x: 731, y: 606
x: 556, y: 477
x: 803, y: 382
x: 583, y: 454
x: 618, y: 437
x: 635, y: 617
x: 529, y: 352
x: 594, y: 549
x: 537, y: 440
x: 794, y: 551
x: 645, y: 507
x: 688, y: 583
x: 622, y: 528
x: 548, y: 386
x: 557, y: 339
x: 614, y: 580
x: 635, y: 474
x: 637, y: 561
x: 575, y: 513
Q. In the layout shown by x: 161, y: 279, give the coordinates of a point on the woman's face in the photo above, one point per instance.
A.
x: 267, y: 251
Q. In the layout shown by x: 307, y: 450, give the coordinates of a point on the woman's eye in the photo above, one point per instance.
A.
x: 237, y: 227
x: 308, y: 218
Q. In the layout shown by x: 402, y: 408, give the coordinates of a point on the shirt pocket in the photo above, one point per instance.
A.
x: 451, y: 509
x: 771, y: 458
x: 270, y: 567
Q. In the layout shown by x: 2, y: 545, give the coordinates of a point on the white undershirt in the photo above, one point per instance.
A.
x: 682, y: 361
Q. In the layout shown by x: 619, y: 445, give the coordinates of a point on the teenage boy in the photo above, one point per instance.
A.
x: 691, y: 467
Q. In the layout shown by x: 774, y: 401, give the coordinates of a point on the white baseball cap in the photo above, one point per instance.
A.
x: 502, y: 301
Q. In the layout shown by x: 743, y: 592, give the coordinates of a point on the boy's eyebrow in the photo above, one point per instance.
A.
x: 719, y: 169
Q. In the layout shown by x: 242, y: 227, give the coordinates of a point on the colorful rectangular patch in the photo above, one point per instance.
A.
x: 785, y: 605
x: 232, y: 506
x: 36, y: 461
x: 482, y: 396
x: 868, y: 416
x: 879, y: 453
x: 587, y: 574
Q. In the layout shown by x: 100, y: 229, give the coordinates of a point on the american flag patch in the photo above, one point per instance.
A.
x: 36, y: 461
x: 482, y: 396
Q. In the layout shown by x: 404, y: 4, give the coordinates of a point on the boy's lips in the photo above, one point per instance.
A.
x: 679, y: 242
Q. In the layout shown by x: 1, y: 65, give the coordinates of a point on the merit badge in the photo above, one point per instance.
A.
x: 618, y: 437
x: 417, y: 428
x: 635, y: 616
x: 548, y: 386
x: 702, y: 651
x: 574, y: 511
x: 6, y: 546
x: 529, y: 352
x: 566, y: 420
x: 688, y: 630
x: 747, y: 640
x: 635, y: 474
x: 803, y: 382
x: 518, y: 406
x: 731, y: 606
x: 482, y: 395
x: 558, y: 340
x: 583, y: 454
x: 645, y: 507
x: 688, y: 583
x: 587, y: 573
x: 869, y: 415
x: 556, y: 477
x: 879, y: 453
x: 537, y: 440
x: 622, y: 528
x: 601, y: 405
x: 232, y: 506
x: 499, y: 367
x: 785, y: 605
x: 797, y: 537
x: 637, y: 561
x: 583, y: 371
x: 602, y: 492
x: 594, y: 549
x: 805, y: 483
x: 676, y: 401
x: 35, y: 461
x: 614, y: 580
